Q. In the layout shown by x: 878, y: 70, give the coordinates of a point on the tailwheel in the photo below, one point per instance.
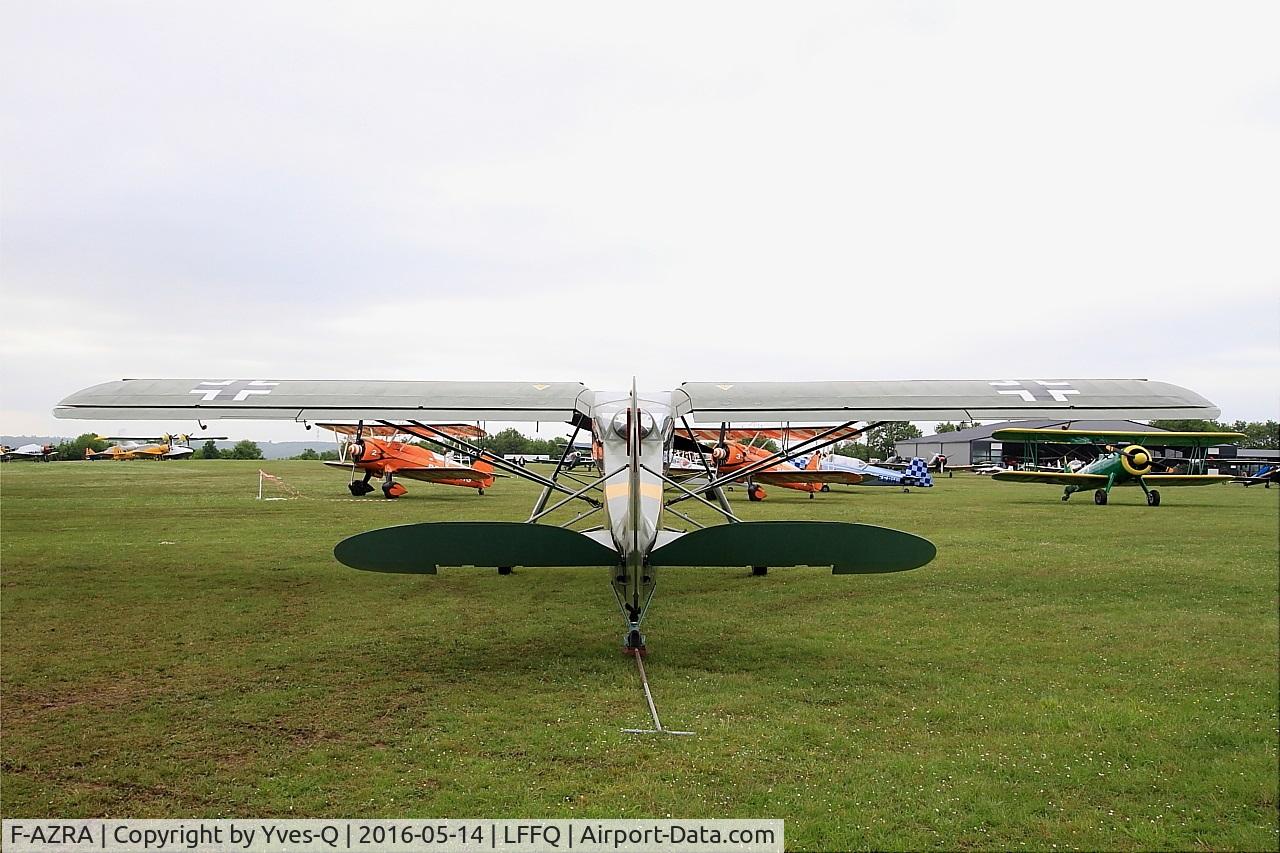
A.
x: 759, y: 571
x: 480, y: 491
x: 826, y: 487
x: 1100, y: 497
x: 634, y: 642
x: 1153, y: 498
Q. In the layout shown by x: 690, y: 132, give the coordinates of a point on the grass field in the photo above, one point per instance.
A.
x: 1062, y: 674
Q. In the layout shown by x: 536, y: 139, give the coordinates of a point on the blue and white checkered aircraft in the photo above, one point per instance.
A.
x: 916, y: 472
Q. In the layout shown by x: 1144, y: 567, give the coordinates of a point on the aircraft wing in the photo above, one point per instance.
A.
x: 1062, y: 479
x: 848, y: 478
x: 383, y: 431
x: 943, y: 399
x: 328, y: 399
x: 775, y: 433
x: 1082, y: 436
x: 436, y: 475
x: 1162, y: 480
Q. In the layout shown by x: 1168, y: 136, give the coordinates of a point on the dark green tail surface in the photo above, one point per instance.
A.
x: 847, y: 548
x: 420, y: 548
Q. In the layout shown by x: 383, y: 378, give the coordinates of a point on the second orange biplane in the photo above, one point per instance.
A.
x: 386, y: 451
x: 735, y: 448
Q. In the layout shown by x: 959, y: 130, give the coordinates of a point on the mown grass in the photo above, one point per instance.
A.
x: 1069, y: 675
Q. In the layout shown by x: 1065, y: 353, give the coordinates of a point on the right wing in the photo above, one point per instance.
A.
x: 328, y: 399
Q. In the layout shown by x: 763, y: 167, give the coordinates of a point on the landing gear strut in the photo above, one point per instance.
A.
x: 359, y: 488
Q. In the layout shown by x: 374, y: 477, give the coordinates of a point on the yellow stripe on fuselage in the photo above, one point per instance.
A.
x: 620, y: 490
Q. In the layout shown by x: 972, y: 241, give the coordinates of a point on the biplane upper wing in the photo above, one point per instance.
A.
x: 328, y: 399
x: 1059, y: 479
x: 1083, y: 436
x: 384, y: 431
x: 929, y: 399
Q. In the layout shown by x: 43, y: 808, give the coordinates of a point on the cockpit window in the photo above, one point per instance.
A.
x: 619, y: 425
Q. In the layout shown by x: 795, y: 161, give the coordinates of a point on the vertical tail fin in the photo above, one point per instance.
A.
x: 918, y: 471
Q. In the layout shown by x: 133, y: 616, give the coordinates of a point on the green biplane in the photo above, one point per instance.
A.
x: 1126, y: 461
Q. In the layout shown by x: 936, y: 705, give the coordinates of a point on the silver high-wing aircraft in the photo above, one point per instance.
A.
x: 633, y: 430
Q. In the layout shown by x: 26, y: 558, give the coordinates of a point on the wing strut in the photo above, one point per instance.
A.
x: 458, y: 444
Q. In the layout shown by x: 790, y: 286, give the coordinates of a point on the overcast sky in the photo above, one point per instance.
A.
x: 592, y: 191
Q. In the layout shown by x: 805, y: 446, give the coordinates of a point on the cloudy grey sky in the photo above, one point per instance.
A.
x: 587, y: 191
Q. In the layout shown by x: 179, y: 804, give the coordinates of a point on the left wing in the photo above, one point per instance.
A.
x: 328, y: 399
x: 1063, y: 479
x: 944, y: 399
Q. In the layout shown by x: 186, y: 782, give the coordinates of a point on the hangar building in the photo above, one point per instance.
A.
x: 975, y: 446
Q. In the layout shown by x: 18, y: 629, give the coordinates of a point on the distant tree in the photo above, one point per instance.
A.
x: 853, y: 449
x: 246, y: 449
x: 328, y: 456
x: 307, y: 454
x: 948, y: 426
x: 763, y: 443
x: 208, y: 450
x: 75, y: 448
x: 1189, y: 425
x: 1262, y: 435
x: 882, y: 440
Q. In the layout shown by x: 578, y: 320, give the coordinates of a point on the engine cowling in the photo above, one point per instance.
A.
x: 1136, y: 460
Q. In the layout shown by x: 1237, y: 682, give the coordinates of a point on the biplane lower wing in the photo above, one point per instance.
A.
x: 847, y: 548
x: 779, y: 478
x: 1062, y: 479
x: 1186, y: 479
x: 421, y: 548
x: 440, y: 475
x: 427, y: 475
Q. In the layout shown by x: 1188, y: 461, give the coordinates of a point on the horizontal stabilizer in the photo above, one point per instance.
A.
x: 420, y: 548
x: 847, y: 548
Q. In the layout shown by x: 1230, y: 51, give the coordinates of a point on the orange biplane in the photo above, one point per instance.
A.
x: 735, y: 449
x: 388, y: 451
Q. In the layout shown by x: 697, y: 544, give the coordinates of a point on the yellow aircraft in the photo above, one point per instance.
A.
x: 161, y: 447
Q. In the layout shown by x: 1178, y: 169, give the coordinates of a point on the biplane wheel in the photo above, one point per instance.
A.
x: 759, y: 571
x: 1066, y: 498
x: 480, y: 491
x: 811, y: 496
x: 754, y: 493
x: 826, y: 487
x: 1100, y: 497
x: 504, y: 570
x: 634, y: 640
x: 1153, y: 498
x: 905, y: 490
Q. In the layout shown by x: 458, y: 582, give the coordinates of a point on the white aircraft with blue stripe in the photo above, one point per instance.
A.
x: 916, y: 472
